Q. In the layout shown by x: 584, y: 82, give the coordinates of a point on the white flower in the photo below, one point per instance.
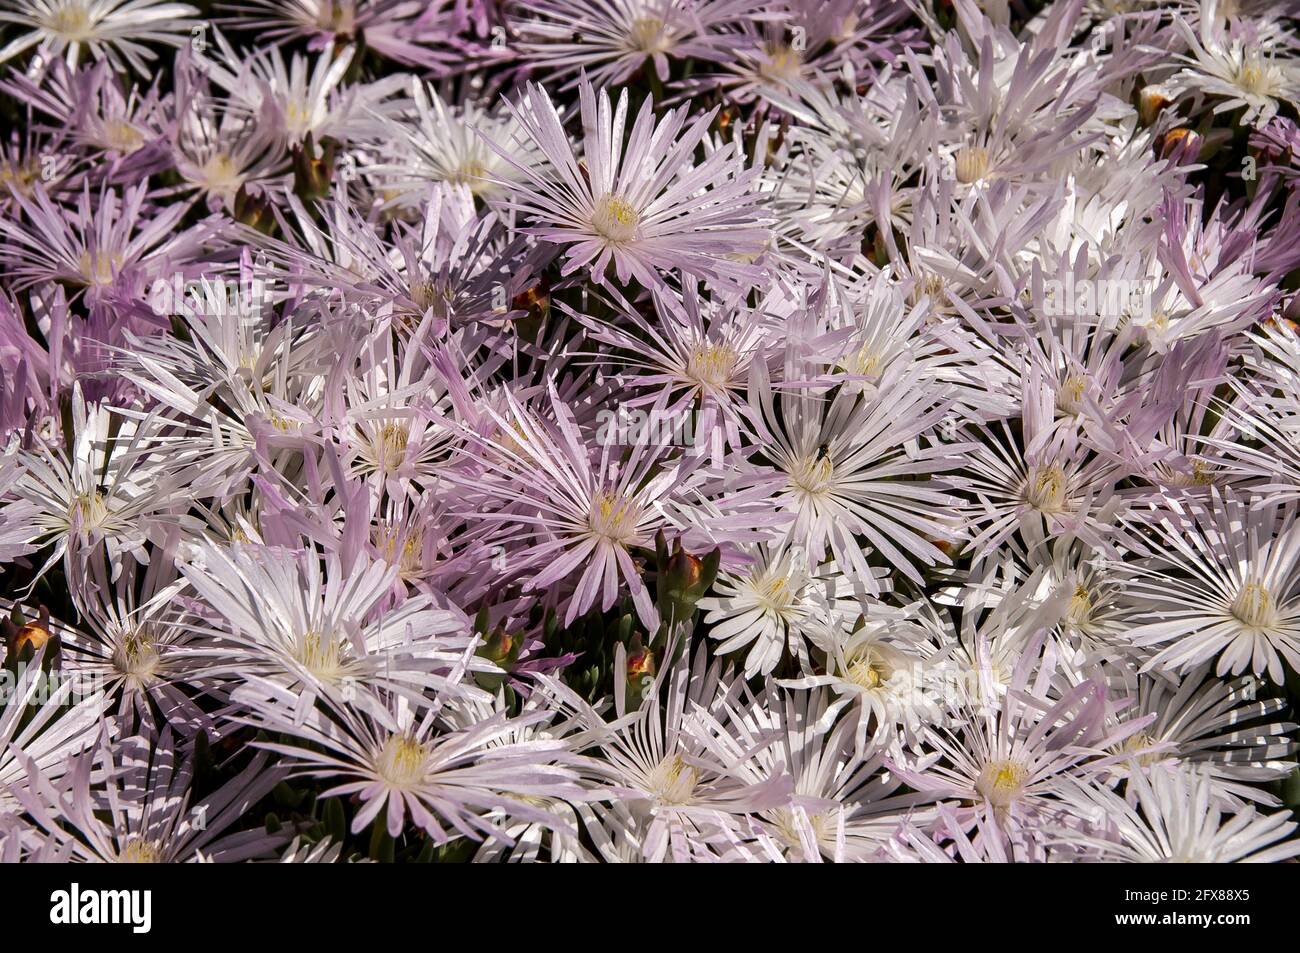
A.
x: 770, y: 604
x: 1236, y: 71
x: 1222, y: 580
x: 1181, y: 821
x: 115, y: 30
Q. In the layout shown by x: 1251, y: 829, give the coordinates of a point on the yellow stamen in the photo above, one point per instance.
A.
x: 615, y: 219
x: 402, y: 760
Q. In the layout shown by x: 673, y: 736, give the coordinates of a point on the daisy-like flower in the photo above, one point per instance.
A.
x: 106, y: 245
x: 894, y: 686
x: 844, y: 807
x: 419, y: 35
x: 582, y: 510
x: 808, y: 41
x: 299, y: 98
x: 649, y: 430
x: 525, y: 838
x: 221, y: 145
x: 118, y: 31
x: 454, y: 144
x: 611, y: 41
x: 854, y: 467
x: 46, y: 719
x: 391, y: 434
x: 1237, y: 71
x: 106, y: 492
x: 148, y: 812
x: 1178, y: 819
x: 1013, y: 763
x: 677, y: 763
x: 1086, y: 588
x: 101, y: 112
x: 400, y: 765
x: 1198, y: 281
x: 274, y: 615
x: 1043, y: 482
x: 769, y: 604
x: 1222, y: 580
x: 697, y: 351
x: 131, y: 640
x: 1221, y: 727
x: 643, y: 204
x: 452, y: 265
x: 237, y: 388
x: 949, y: 843
x: 1260, y: 435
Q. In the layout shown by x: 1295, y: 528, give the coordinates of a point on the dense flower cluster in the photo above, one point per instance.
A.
x: 649, y: 430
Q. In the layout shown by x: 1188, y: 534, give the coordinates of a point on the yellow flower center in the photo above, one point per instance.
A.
x: 281, y: 423
x: 121, y: 136
x: 930, y: 286
x: 782, y: 63
x: 672, y: 781
x: 812, y: 475
x: 865, y: 363
x: 1080, y: 609
x: 867, y: 668
x: 1254, y: 77
x: 1002, y: 782
x: 337, y: 17
x: 649, y: 35
x: 87, y: 511
x: 1045, y: 489
x: 613, y: 517
x: 1069, y: 399
x: 321, y: 654
x: 972, y: 164
x: 20, y: 176
x: 71, y: 22
x: 1202, y: 473
x: 389, y: 447
x: 712, y: 365
x: 1254, y: 607
x: 402, y: 760
x: 1139, y: 742
x: 404, y: 549
x: 773, y: 592
x: 135, y: 655
x: 298, y: 118
x: 139, y: 851
x: 788, y: 828
x: 615, y: 219
x: 471, y: 173
x: 221, y: 175
x: 97, y: 268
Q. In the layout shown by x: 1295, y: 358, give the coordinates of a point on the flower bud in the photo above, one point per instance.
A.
x: 1180, y: 140
x: 726, y: 118
x: 33, y: 634
x: 639, y: 672
x: 312, y: 174
x: 502, y: 650
x: 254, y: 210
x: 536, y: 301
x: 684, y: 571
x: 23, y: 639
x: 684, y: 578
x: 1151, y: 100
x: 640, y: 665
